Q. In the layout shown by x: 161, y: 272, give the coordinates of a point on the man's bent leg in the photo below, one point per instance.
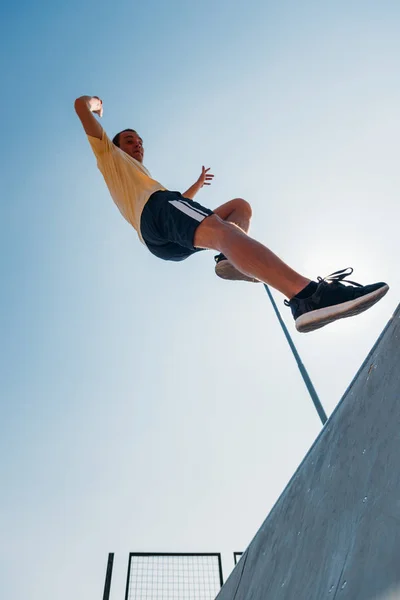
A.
x: 236, y: 211
x: 248, y: 256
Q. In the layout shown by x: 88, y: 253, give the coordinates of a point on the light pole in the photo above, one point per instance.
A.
x: 303, y: 371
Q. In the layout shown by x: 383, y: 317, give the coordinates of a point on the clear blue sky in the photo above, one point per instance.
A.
x: 150, y: 406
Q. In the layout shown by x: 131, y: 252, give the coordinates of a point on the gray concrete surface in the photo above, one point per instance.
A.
x: 335, y: 531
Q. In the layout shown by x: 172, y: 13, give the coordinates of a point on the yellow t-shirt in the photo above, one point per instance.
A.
x: 129, y: 182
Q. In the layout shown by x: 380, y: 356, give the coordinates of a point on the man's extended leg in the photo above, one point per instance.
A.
x: 248, y: 256
x: 313, y: 304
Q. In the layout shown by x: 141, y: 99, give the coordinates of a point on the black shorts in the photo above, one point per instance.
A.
x: 168, y: 223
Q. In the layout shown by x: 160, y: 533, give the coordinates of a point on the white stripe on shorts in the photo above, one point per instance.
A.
x: 194, y: 208
x: 192, y: 212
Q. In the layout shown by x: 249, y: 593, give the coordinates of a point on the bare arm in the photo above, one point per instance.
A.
x: 85, y: 106
x: 204, y: 179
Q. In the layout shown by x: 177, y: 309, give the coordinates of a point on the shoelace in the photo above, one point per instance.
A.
x: 336, y: 277
x: 339, y: 276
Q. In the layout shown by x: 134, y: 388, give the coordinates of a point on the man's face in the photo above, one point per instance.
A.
x: 132, y: 144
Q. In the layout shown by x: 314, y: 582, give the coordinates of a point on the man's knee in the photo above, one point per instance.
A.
x: 237, y: 207
x: 244, y: 207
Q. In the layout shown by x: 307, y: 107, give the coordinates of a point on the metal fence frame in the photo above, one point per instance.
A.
x: 109, y: 571
x: 151, y: 554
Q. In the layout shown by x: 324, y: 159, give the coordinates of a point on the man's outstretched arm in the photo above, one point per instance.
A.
x: 85, y: 106
x: 204, y: 179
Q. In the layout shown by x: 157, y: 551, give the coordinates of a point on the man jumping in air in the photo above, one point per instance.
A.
x: 173, y: 227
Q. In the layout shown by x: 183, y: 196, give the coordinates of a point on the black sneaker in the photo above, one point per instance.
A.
x: 226, y: 270
x: 333, y: 300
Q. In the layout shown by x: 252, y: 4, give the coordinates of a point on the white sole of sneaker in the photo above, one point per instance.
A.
x: 323, y: 316
x: 226, y: 270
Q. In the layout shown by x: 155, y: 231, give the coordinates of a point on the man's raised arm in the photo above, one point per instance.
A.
x: 204, y: 179
x: 85, y: 106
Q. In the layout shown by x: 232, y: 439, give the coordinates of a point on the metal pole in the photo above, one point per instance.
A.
x: 303, y: 371
x: 109, y: 571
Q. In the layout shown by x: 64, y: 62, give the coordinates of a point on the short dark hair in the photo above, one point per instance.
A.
x: 115, y: 139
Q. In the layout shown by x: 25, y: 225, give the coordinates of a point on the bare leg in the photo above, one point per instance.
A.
x: 236, y: 211
x: 248, y: 256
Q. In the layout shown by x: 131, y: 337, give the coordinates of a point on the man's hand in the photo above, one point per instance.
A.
x: 96, y: 105
x: 85, y: 106
x: 204, y: 179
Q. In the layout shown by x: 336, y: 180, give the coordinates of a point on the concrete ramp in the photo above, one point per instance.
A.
x: 335, y: 531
